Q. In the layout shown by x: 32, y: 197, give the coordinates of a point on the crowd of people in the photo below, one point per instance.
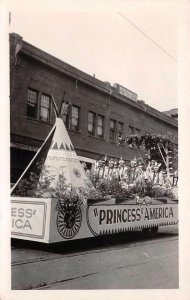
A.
x: 136, y: 170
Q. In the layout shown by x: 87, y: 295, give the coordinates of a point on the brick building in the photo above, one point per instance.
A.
x: 99, y: 112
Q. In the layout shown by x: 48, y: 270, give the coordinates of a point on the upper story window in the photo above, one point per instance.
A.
x: 120, y: 129
x: 38, y: 106
x: 45, y: 108
x: 100, y: 126
x: 32, y: 104
x: 112, y: 130
x: 75, y: 118
x: 91, y: 123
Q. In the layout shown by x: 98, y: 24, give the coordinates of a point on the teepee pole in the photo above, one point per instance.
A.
x: 61, y: 104
x: 55, y: 107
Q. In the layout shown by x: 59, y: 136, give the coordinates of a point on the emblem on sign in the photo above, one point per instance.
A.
x: 77, y: 173
x: 69, y: 221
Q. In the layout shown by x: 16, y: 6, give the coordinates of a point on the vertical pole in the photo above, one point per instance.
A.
x: 55, y: 106
x: 167, y: 162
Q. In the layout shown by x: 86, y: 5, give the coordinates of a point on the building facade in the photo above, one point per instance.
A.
x: 97, y: 115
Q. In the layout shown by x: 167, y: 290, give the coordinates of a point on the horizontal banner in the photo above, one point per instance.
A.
x: 106, y: 219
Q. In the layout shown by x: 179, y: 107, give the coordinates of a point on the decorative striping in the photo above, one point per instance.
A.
x: 55, y: 147
x: 62, y: 147
x: 67, y: 148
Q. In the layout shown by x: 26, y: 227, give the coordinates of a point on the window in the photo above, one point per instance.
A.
x: 38, y: 105
x: 45, y: 108
x: 120, y: 129
x: 100, y: 126
x: 75, y: 118
x: 131, y: 130
x: 112, y: 130
x: 91, y: 123
x: 32, y: 104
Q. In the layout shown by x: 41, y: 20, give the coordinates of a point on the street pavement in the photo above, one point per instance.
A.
x: 126, y: 261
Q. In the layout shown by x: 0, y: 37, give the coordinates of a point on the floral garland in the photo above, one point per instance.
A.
x: 150, y: 142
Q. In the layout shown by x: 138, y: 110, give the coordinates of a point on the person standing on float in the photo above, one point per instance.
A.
x: 115, y: 170
x: 121, y: 168
x: 110, y: 166
x: 132, y: 172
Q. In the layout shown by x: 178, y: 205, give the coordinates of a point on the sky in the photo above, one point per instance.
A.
x: 98, y: 38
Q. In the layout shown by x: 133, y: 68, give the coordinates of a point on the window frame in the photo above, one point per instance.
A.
x: 112, y: 131
x: 36, y: 105
x: 120, y: 133
x: 98, y: 126
x: 71, y: 126
x: 67, y: 116
x: 93, y: 123
x: 40, y: 108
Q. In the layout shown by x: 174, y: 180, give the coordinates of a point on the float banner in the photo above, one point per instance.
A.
x: 109, y: 219
x: 28, y: 218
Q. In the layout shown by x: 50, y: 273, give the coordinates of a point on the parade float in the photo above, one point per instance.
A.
x: 55, y: 200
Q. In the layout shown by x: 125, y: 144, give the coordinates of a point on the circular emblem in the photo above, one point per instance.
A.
x: 77, y: 173
x: 69, y: 222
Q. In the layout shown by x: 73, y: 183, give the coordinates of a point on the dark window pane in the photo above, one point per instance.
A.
x: 112, y: 130
x: 32, y: 104
x: 45, y: 108
x: 99, y: 129
x: 75, y: 118
x: 91, y: 123
x: 120, y: 129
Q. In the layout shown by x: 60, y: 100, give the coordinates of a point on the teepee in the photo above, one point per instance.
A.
x: 58, y: 156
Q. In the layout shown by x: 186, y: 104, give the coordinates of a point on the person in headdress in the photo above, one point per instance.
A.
x: 96, y: 167
x: 125, y: 176
x: 140, y: 169
x: 165, y: 180
x: 151, y: 170
x: 115, y: 170
x: 106, y: 169
x: 121, y: 168
x: 132, y: 171
x: 110, y: 168
x: 99, y: 168
x: 156, y: 173
x: 175, y: 178
x: 102, y: 169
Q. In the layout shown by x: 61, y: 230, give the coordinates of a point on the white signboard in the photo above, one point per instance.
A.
x: 125, y: 92
x: 28, y: 218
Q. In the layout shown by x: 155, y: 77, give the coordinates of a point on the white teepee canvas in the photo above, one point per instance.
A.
x: 62, y: 160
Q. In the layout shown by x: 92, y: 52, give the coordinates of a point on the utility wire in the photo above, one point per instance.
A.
x: 150, y: 39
